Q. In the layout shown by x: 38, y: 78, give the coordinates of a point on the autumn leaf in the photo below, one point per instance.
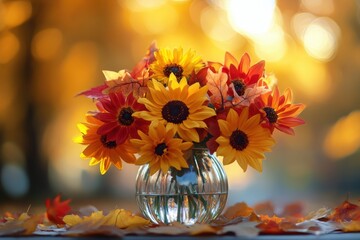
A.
x: 238, y: 210
x: 174, y: 228
x: 119, y: 218
x: 270, y: 224
x: 242, y: 229
x: 264, y: 208
x: 345, y: 212
x: 23, y: 225
x: 198, y: 229
x: 321, y: 213
x: 353, y: 226
x: 217, y: 86
x: 56, y: 209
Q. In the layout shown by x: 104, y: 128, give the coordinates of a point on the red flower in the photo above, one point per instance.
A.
x: 56, y: 210
x: 116, y: 113
x: 242, y: 75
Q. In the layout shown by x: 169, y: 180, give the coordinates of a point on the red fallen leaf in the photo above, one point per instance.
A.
x: 345, y: 212
x: 293, y: 210
x: 56, y: 210
x: 270, y: 227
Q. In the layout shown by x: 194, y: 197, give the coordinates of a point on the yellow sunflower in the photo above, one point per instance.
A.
x: 180, y: 107
x: 102, y: 151
x: 243, y: 139
x: 174, y: 61
x: 160, y: 149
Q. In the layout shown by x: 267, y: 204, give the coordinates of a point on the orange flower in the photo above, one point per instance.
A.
x: 278, y: 111
x: 100, y: 149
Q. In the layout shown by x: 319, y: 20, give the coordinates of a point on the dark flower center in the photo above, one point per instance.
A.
x: 174, y: 68
x: 271, y: 114
x: 239, y: 86
x: 125, y: 116
x: 239, y: 140
x: 107, y: 144
x: 175, y: 111
x: 160, y: 149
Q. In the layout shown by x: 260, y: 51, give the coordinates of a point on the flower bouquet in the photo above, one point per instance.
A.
x: 173, y: 115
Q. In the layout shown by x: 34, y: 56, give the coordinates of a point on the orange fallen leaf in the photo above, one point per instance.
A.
x: 270, y: 224
x: 238, y: 210
x: 264, y: 208
x: 353, y: 226
x: 56, y: 210
x: 198, y: 229
x: 346, y: 212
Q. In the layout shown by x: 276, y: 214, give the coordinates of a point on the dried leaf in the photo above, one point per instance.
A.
x: 218, y: 88
x: 319, y: 214
x: 238, y: 210
x: 353, y: 226
x: 23, y: 225
x: 346, y: 212
x: 119, y: 218
x: 243, y: 229
x: 56, y: 210
x: 174, y: 229
x: 313, y: 226
x: 198, y: 229
x: 270, y: 225
x: 264, y: 208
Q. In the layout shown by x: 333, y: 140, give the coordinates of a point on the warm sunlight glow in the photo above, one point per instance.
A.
x: 46, y: 43
x: 321, y: 39
x: 251, y: 18
x: 275, y: 46
x: 343, y: 139
x: 323, y: 7
x: 215, y: 25
x: 16, y: 13
x: 9, y: 47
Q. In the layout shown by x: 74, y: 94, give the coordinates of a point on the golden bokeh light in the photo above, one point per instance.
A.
x: 343, y: 138
x: 251, y: 18
x: 9, y: 47
x: 46, y: 44
x: 215, y: 25
x: 311, y: 77
x: 16, y: 13
x: 323, y: 7
x: 155, y: 20
x: 321, y: 39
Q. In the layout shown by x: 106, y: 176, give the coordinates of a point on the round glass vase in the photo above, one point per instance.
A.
x: 191, y: 195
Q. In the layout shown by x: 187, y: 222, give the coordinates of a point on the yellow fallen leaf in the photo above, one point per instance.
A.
x: 119, y: 217
x: 123, y: 219
x: 352, y: 226
x: 72, y: 220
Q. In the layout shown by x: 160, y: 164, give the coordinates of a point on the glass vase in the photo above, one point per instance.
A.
x: 191, y: 195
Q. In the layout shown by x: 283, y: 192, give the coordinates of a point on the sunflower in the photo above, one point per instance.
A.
x: 100, y: 149
x: 180, y: 107
x: 243, y: 139
x: 117, y: 114
x: 160, y: 149
x: 174, y: 61
x: 278, y: 111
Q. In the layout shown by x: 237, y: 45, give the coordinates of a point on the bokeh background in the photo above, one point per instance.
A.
x: 52, y: 50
